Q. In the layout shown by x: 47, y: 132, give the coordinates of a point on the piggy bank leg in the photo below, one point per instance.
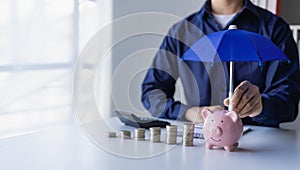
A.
x: 230, y: 148
x: 208, y: 145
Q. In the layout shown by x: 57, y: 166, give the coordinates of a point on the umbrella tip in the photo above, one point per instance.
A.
x: 232, y: 27
x: 180, y: 60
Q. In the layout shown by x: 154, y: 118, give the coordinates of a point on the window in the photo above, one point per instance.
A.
x: 39, y: 45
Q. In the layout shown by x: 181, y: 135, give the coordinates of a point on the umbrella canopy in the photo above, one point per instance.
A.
x: 233, y: 45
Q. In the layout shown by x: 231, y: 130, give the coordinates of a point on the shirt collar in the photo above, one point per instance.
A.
x: 248, y: 5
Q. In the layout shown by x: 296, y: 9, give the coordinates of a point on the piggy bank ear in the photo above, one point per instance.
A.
x: 232, y: 115
x: 205, y: 112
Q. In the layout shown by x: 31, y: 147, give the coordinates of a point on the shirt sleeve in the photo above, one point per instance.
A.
x: 158, y: 87
x: 281, y: 96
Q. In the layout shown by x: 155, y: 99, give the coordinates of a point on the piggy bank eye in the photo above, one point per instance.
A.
x: 222, y: 121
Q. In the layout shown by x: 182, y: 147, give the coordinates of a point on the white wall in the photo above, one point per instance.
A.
x: 133, y: 55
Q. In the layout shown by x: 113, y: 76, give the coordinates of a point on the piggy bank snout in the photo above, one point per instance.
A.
x: 217, y: 131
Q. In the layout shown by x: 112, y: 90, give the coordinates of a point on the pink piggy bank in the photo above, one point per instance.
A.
x: 222, y: 128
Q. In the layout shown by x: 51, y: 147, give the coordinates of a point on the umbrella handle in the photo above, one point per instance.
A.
x: 230, y: 104
x: 231, y: 76
x: 230, y: 85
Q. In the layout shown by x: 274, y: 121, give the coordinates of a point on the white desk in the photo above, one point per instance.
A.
x: 68, y: 148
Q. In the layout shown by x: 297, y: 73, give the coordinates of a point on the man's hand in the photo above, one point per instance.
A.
x: 246, y: 100
x: 194, y: 113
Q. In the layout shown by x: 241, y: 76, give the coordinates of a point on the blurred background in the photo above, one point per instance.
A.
x: 40, y: 41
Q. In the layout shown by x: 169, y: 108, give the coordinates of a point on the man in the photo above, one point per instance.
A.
x: 264, y: 95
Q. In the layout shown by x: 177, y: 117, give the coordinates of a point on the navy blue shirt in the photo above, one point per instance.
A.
x: 203, y: 85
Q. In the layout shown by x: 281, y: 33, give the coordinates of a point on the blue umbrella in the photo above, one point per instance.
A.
x: 233, y: 45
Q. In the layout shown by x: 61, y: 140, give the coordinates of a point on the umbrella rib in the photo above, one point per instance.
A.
x: 217, y: 53
x: 253, y: 44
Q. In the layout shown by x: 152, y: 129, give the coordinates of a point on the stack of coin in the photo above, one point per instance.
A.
x: 188, y: 134
x: 139, y: 134
x: 154, y: 134
x: 111, y: 134
x: 171, y: 135
x: 125, y: 134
